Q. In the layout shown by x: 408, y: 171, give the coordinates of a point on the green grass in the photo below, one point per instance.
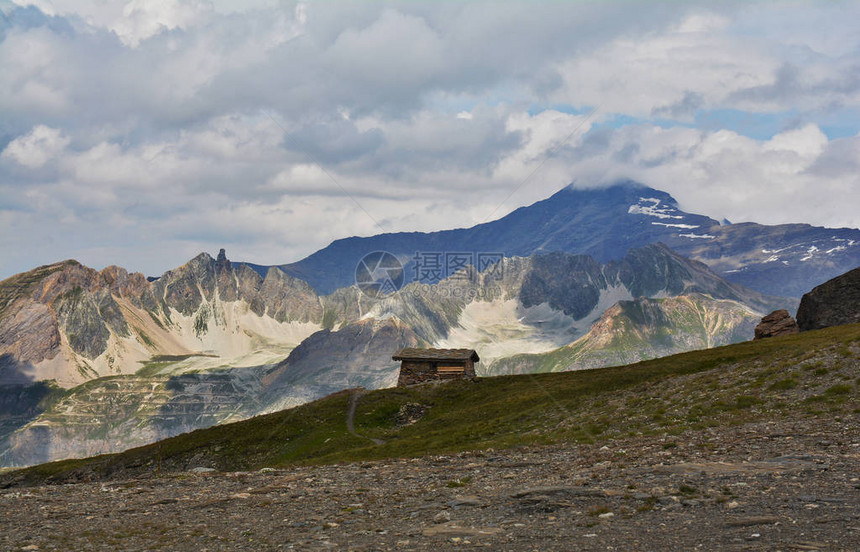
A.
x: 157, y: 363
x: 718, y: 387
x: 784, y: 384
x: 146, y: 339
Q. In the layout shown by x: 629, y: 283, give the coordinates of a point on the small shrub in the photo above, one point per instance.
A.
x: 648, y: 505
x: 813, y: 365
x: 783, y: 384
x: 687, y: 490
x: 745, y: 401
x: 460, y: 482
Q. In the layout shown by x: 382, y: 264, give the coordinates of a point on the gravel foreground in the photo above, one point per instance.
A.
x: 775, y: 486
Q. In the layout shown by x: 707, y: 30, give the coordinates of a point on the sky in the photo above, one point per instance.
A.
x: 141, y: 133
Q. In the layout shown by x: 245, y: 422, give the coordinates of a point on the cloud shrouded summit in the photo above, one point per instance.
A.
x: 140, y: 133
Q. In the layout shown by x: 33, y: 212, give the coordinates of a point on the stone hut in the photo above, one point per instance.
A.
x: 421, y: 365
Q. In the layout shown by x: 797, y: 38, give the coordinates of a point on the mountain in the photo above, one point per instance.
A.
x: 120, y: 412
x: 642, y: 329
x: 356, y: 355
x: 122, y: 361
x: 69, y: 323
x: 97, y: 361
x: 784, y: 260
x: 539, y: 303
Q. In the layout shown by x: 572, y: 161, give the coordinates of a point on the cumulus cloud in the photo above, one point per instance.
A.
x: 724, y: 174
x: 140, y: 132
x: 37, y: 147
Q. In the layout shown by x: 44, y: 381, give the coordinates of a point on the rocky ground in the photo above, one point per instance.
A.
x: 775, y: 486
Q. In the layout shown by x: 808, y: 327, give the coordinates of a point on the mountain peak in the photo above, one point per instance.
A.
x: 602, y: 222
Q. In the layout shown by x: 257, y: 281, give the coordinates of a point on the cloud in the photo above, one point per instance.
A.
x: 142, y: 131
x: 37, y: 147
x: 727, y: 175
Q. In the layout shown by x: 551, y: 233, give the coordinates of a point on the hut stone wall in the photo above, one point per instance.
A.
x: 420, y: 371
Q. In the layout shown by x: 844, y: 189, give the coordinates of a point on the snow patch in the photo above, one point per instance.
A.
x: 653, y: 210
x: 809, y: 253
x: 697, y: 236
x: 682, y: 226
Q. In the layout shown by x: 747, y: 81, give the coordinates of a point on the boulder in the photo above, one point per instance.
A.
x: 778, y: 322
x: 833, y: 303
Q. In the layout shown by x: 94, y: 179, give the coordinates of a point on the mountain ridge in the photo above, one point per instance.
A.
x: 785, y: 260
x: 213, y: 341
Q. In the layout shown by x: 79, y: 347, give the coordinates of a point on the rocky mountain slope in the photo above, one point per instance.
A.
x: 356, y: 355
x: 69, y: 323
x: 119, y: 412
x: 785, y: 260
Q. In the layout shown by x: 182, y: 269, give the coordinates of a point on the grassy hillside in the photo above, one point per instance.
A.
x: 807, y: 375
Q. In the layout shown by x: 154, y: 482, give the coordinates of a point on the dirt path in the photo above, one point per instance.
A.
x: 350, y: 417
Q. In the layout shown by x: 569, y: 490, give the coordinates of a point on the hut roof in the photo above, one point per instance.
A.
x: 411, y: 353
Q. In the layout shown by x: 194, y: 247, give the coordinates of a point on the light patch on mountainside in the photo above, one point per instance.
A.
x: 219, y: 335
x: 608, y: 297
x: 642, y: 329
x: 56, y: 368
x: 504, y: 327
x: 232, y: 330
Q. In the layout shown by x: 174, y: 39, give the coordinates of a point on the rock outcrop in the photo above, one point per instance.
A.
x: 833, y: 303
x: 777, y: 323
